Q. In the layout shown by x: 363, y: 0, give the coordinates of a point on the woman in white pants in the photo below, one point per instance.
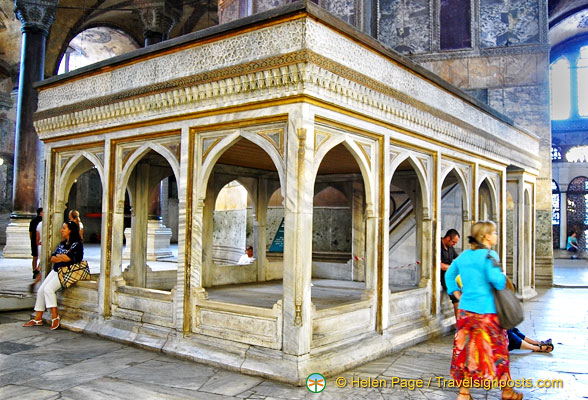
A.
x: 70, y: 251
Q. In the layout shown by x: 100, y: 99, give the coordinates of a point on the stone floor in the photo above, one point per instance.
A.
x: 36, y: 363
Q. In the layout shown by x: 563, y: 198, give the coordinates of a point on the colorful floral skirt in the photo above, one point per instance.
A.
x: 480, y: 349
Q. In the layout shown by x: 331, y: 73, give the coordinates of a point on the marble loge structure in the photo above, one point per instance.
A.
x: 294, y: 101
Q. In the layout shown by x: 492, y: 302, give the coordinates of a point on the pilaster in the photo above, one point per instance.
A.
x: 297, y: 241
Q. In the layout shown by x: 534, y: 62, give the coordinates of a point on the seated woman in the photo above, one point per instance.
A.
x: 70, y: 251
x: 516, y: 340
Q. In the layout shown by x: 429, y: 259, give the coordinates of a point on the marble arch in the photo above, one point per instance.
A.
x: 493, y: 196
x: 137, y: 155
x: 421, y: 175
x: 465, y: 187
x: 227, y: 141
x: 362, y: 163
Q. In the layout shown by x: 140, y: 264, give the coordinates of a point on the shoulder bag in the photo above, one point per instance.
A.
x: 509, y: 307
x: 70, y: 274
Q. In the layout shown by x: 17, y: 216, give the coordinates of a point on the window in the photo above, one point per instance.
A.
x: 454, y: 21
x: 559, y: 76
x: 582, y: 68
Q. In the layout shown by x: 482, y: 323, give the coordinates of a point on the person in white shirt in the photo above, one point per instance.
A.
x: 247, y: 258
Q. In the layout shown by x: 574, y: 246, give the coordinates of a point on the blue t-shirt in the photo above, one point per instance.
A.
x: 478, y: 275
x: 571, y: 240
x: 75, y: 251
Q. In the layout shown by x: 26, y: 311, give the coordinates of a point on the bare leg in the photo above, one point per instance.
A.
x: 528, y: 346
x: 464, y: 393
x: 54, y: 318
x: 532, y: 341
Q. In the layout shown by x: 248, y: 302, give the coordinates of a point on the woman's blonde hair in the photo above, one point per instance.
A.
x: 74, y: 216
x: 479, y: 230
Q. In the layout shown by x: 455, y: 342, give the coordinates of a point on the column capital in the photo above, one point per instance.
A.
x: 158, y: 17
x: 35, y: 15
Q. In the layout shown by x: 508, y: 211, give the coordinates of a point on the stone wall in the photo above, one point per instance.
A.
x: 506, y: 67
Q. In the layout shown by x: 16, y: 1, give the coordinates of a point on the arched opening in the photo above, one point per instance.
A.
x: 243, y: 182
x: 577, y: 209
x: 453, y: 211
x: 83, y: 193
x: 339, y: 226
x: 453, y: 218
x: 232, y: 225
x: 85, y: 197
x: 486, y: 202
x: 94, y: 45
x: 152, y: 262
x: 406, y: 215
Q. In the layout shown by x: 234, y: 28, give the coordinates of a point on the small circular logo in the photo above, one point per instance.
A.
x: 316, y: 383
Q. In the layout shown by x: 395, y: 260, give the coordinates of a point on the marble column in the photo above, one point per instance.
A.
x: 298, y: 211
x: 358, y: 221
x: 36, y: 17
x: 157, y: 18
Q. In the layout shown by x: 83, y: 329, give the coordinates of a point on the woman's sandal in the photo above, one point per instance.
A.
x: 55, y: 325
x: 34, y: 322
x: 545, y: 348
x: 511, y: 394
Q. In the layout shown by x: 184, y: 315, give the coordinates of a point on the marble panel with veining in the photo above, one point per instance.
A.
x: 405, y: 25
x: 264, y: 5
x: 504, y: 23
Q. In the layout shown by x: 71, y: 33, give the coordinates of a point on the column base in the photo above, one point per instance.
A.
x: 18, y: 241
x: 158, y: 241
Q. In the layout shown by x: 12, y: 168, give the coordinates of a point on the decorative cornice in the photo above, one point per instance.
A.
x: 294, y: 73
x: 35, y: 15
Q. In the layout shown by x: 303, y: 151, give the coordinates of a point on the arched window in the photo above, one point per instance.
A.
x: 555, y: 153
x: 577, y: 209
x: 94, y: 45
x: 559, y: 77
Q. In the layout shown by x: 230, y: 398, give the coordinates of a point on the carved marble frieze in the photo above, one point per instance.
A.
x: 325, y: 64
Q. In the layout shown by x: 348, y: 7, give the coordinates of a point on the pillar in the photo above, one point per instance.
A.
x: 298, y: 210
x: 36, y: 18
x: 358, y: 222
x: 261, y: 221
x: 157, y: 18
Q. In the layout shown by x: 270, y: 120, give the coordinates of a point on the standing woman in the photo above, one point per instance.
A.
x: 480, y: 347
x: 74, y: 215
x: 70, y: 251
